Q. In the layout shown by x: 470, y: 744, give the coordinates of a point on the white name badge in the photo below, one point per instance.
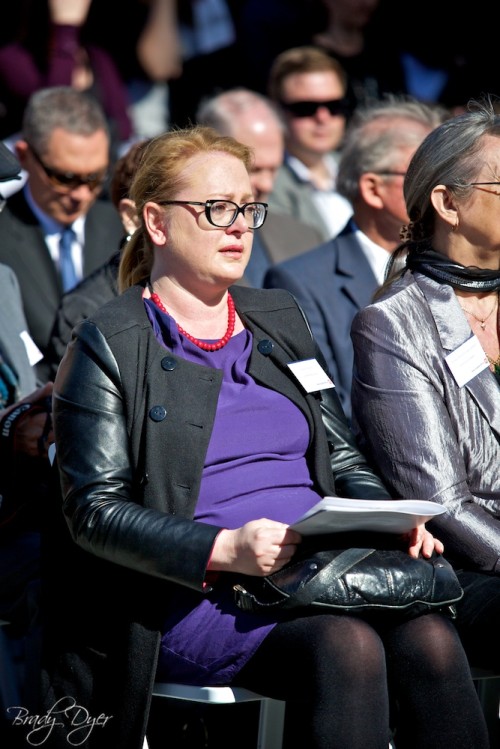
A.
x: 34, y: 353
x: 467, y: 361
x: 311, y: 375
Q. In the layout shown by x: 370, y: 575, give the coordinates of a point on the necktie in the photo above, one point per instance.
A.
x: 67, y: 268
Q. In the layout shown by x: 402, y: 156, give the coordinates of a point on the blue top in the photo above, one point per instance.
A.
x: 254, y: 468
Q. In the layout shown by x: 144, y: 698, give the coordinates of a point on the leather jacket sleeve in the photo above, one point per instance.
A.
x: 100, y: 499
x: 352, y: 475
x: 102, y: 496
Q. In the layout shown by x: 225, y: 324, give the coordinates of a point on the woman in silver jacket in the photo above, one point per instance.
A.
x: 425, y: 393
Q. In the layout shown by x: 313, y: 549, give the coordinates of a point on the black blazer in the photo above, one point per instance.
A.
x: 131, y: 487
x: 23, y: 248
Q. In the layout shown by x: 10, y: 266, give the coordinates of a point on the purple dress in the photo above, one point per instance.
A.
x: 254, y: 468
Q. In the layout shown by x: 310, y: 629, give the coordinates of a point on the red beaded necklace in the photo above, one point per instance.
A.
x: 231, y: 319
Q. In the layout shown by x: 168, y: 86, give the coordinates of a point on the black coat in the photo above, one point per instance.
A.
x: 131, y: 481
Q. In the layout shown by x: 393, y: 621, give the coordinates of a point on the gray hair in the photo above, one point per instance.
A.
x: 61, y: 107
x: 450, y: 155
x: 376, y: 135
x: 221, y: 111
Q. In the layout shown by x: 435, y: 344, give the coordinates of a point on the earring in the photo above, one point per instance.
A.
x: 455, y: 225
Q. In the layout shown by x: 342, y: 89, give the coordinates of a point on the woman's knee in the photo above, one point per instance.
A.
x: 347, y: 643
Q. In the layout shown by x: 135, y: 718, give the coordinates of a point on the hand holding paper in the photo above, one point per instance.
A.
x: 337, y: 515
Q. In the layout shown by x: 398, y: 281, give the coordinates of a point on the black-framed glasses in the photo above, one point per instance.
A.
x: 69, y: 180
x: 223, y: 213
x: 309, y: 108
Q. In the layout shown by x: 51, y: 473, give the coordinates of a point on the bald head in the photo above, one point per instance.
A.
x: 250, y: 118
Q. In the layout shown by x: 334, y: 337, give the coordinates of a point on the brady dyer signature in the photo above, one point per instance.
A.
x: 65, y: 713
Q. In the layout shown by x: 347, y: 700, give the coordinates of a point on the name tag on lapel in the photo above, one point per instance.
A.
x: 467, y: 361
x: 311, y: 375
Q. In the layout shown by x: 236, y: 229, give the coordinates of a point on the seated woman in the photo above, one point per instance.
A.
x: 186, y: 447
x: 426, y: 386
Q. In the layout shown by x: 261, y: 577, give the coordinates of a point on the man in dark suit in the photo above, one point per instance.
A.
x: 334, y: 280
x: 55, y: 231
x: 252, y: 119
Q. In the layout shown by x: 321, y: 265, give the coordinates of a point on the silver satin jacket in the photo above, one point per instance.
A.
x: 428, y: 437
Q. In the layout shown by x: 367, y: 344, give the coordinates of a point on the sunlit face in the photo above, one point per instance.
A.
x: 67, y: 153
x: 478, y: 214
x: 191, y: 251
x: 322, y: 132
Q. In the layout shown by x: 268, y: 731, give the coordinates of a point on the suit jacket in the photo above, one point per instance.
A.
x: 130, y: 490
x: 331, y: 283
x: 91, y: 293
x: 12, y: 324
x: 279, y: 238
x: 429, y: 437
x: 294, y: 197
x: 23, y: 248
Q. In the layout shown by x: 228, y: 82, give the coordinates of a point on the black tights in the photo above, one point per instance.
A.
x: 345, y: 680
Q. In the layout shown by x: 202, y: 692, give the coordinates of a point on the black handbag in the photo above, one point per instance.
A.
x: 356, y: 579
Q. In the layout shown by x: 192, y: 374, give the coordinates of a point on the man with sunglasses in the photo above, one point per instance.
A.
x: 310, y: 88
x: 56, y: 230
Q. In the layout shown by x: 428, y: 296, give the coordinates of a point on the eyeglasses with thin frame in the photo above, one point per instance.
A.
x: 223, y: 213
x: 67, y: 181
x: 336, y: 107
x: 476, y: 184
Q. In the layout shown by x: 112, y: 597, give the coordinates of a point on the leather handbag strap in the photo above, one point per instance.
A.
x: 334, y: 569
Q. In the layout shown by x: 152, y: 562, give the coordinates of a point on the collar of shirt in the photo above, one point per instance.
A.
x: 376, y: 255
x: 333, y: 207
x: 303, y: 172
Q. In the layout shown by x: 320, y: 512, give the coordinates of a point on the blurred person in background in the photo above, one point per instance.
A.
x: 53, y: 47
x: 56, y: 230
x: 147, y: 53
x: 351, y: 34
x: 309, y: 88
x: 102, y: 284
x: 210, y: 56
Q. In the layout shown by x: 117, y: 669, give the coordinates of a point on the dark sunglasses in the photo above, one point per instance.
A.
x: 309, y: 108
x: 69, y: 180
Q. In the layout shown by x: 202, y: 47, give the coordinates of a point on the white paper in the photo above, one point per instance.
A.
x: 337, y: 514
